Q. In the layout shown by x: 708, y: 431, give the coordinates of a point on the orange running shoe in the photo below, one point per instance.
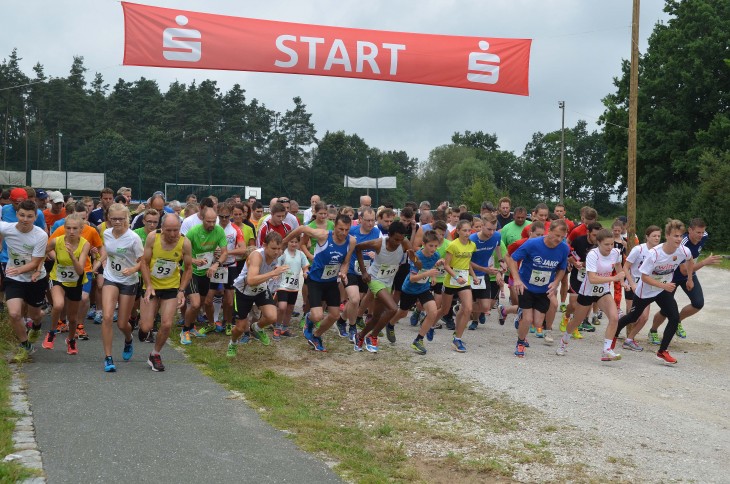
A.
x: 81, y: 332
x: 62, y: 327
x: 71, y: 347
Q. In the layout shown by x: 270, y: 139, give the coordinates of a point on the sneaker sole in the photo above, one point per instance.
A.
x: 665, y: 361
x: 606, y: 358
x: 153, y: 368
x: 420, y: 352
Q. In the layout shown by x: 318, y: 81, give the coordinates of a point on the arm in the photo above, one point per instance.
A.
x: 253, y: 278
x: 667, y: 286
x: 373, y: 245
x: 81, y: 261
x: 219, y: 261
x: 449, y: 270
x: 690, y: 273
x: 101, y: 260
x: 187, y: 273
x: 346, y: 263
x: 304, y: 246
x: 411, y: 254
x: 319, y: 234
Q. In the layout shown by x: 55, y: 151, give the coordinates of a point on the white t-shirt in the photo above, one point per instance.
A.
x: 122, y: 253
x: 22, y: 247
x: 660, y: 266
x: 190, y: 222
x: 290, y: 280
x: 602, y: 266
x: 636, y: 258
x: 308, y: 215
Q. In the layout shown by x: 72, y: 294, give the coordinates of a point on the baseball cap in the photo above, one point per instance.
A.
x: 41, y: 194
x: 56, y: 197
x: 18, y: 194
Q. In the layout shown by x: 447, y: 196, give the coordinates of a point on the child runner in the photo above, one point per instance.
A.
x: 289, y: 286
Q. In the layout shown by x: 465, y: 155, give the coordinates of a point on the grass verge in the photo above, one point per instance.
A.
x: 9, y: 471
x: 391, y: 416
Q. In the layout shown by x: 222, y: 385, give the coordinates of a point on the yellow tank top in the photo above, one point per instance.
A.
x: 63, y: 268
x: 165, y: 264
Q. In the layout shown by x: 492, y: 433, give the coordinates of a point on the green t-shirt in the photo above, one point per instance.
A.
x: 442, y: 252
x: 313, y: 242
x: 204, y: 244
x: 142, y: 234
x: 512, y: 232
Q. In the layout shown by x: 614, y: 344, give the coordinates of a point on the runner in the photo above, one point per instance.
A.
x: 331, y: 260
x: 106, y: 198
x: 631, y: 267
x: 379, y: 278
x: 657, y: 272
x: 485, y: 288
x: 254, y: 285
x: 164, y: 287
x: 504, y: 215
x: 273, y: 223
x: 694, y: 240
x: 459, y: 275
x: 544, y: 261
x: 204, y: 239
x: 600, y: 263
x: 309, y: 213
x: 67, y: 277
x: 196, y: 218
x: 57, y: 211
x: 121, y: 253
x: 289, y: 286
x: 24, y: 275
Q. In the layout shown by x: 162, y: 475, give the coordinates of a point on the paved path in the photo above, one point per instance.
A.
x: 139, y: 426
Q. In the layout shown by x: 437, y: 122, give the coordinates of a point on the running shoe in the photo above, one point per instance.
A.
x: 202, y: 319
x: 562, y: 348
x: 185, y: 338
x: 473, y: 326
x: 285, y: 333
x: 342, y: 328
x: 482, y: 318
x: 532, y: 329
x: 109, y: 365
x: 600, y: 313
x: 351, y: 333
x: 303, y: 321
x: 518, y: 317
x: 155, y: 362
x: 414, y: 317
x: 437, y: 325
x: 548, y: 337
x: 180, y: 322
x: 295, y: 314
x: 34, y: 334
x: 219, y: 327
x: 229, y: 329
x: 24, y: 352
x: 576, y: 334
x: 520, y: 349
x: 245, y: 338
x: 502, y: 314
x: 308, y: 328
x: 206, y: 329
x: 631, y: 345
x: 128, y: 350
x: 92, y: 312
x: 680, y: 331
x: 418, y: 347
x: 666, y: 357
x: 390, y: 332
x: 98, y: 318
x: 62, y: 327
x: 429, y: 334
x: 197, y: 334
x: 149, y: 338
x: 71, y: 347
x: 610, y: 355
x: 526, y: 343
x: 539, y: 334
x: 586, y: 326
x: 563, y: 307
x: 450, y: 325
x: 317, y: 344
x: 277, y: 334
x: 116, y: 316
x: 654, y: 338
x: 48, y: 341
x: 371, y: 344
x: 134, y: 322
x: 564, y: 323
x: 261, y: 336
x: 358, y: 341
x: 458, y: 345
x: 81, y: 332
x: 360, y: 322
x: 232, y: 348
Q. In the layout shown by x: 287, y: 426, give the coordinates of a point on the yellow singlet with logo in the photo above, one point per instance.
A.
x: 63, y: 268
x: 165, y: 264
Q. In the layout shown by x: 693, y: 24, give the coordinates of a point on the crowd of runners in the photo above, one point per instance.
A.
x: 224, y: 266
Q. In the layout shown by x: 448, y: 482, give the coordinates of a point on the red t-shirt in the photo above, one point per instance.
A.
x: 582, y: 229
x: 264, y: 229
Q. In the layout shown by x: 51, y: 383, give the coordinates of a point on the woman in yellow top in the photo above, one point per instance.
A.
x: 458, y: 279
x: 67, y: 278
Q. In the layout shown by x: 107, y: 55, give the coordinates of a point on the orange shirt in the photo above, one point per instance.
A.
x: 89, y: 233
x: 52, y: 218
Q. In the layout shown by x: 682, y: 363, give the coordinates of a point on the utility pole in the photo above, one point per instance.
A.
x: 60, y: 135
x: 561, y: 105
x: 633, y: 98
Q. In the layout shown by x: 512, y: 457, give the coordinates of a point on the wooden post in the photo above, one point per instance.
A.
x: 633, y: 97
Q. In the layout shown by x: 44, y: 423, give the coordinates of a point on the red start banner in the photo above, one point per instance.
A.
x: 163, y: 37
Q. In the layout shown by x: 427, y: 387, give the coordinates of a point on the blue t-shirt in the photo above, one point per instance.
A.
x: 540, y: 262
x: 96, y: 217
x: 10, y: 215
x: 57, y: 224
x: 485, y: 249
x: 355, y: 232
x: 694, y: 249
x: 327, y: 260
x: 423, y: 284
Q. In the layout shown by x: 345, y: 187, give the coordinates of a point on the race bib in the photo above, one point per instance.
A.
x: 289, y: 280
x: 442, y: 271
x: 425, y: 280
x: 662, y: 277
x: 220, y: 276
x: 19, y: 259
x: 386, y: 272
x: 115, y: 267
x: 581, y: 274
x: 330, y: 271
x: 208, y: 257
x: 357, y: 266
x: 66, y: 274
x: 598, y: 290
x: 636, y: 280
x: 462, y: 273
x: 540, y: 278
x: 163, y: 268
x: 482, y: 283
x: 254, y: 290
